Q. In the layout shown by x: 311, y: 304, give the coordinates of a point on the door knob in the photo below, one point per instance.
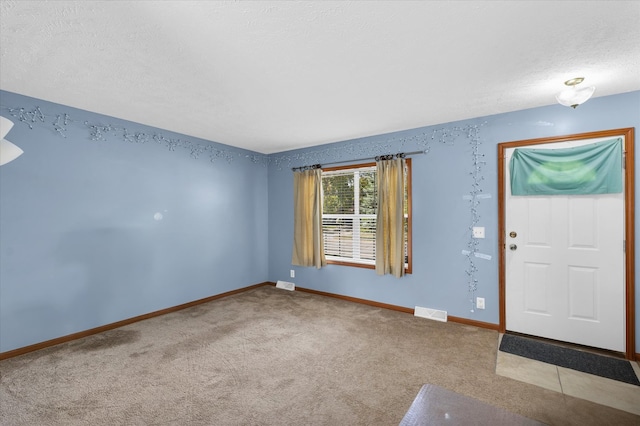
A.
x: 513, y: 247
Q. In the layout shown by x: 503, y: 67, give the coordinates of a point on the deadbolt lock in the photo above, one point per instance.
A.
x: 513, y: 234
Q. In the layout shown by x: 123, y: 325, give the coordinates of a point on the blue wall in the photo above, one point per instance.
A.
x: 80, y: 246
x: 442, y: 216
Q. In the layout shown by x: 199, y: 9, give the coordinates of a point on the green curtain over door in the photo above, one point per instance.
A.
x: 589, y: 169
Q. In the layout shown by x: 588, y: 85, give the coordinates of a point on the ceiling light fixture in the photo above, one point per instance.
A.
x: 8, y: 151
x: 573, y: 96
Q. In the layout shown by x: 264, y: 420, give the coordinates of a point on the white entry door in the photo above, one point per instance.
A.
x: 565, y: 265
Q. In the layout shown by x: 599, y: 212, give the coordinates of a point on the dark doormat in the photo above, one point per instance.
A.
x: 600, y: 365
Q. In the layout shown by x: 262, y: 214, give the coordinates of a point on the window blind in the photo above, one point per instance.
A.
x: 349, y: 214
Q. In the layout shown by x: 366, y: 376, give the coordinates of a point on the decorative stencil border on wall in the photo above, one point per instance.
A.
x: 103, y: 132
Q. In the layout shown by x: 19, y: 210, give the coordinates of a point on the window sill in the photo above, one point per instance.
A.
x: 356, y: 265
x: 407, y: 271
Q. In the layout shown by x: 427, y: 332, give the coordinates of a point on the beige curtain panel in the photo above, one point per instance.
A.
x: 308, y: 246
x: 390, y: 218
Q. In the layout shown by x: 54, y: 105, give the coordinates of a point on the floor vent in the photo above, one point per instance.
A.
x: 285, y: 285
x: 432, y: 314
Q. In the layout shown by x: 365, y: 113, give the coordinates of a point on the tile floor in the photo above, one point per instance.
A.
x: 600, y: 390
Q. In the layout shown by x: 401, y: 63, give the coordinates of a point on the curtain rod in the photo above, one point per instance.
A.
x: 377, y: 158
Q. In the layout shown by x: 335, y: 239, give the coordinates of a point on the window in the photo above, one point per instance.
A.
x: 349, y: 215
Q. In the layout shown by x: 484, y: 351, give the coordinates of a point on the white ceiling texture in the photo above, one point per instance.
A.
x: 270, y: 76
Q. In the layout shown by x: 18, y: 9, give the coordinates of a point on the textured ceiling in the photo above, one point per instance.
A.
x: 272, y: 76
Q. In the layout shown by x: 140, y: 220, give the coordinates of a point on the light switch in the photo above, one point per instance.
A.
x: 478, y: 232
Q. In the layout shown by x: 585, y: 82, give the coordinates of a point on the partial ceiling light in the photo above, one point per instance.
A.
x: 574, y: 96
x: 8, y: 151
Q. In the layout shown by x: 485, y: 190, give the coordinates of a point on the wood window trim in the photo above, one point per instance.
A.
x: 409, y: 268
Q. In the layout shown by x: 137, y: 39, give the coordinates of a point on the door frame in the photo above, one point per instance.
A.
x: 629, y: 210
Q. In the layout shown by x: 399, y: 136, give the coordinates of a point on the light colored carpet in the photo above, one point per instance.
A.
x: 271, y: 357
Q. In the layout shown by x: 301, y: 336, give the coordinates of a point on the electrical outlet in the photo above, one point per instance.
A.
x: 478, y: 232
x: 292, y: 273
x: 480, y: 302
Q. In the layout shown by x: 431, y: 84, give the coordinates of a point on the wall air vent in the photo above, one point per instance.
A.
x: 285, y: 285
x: 432, y: 314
